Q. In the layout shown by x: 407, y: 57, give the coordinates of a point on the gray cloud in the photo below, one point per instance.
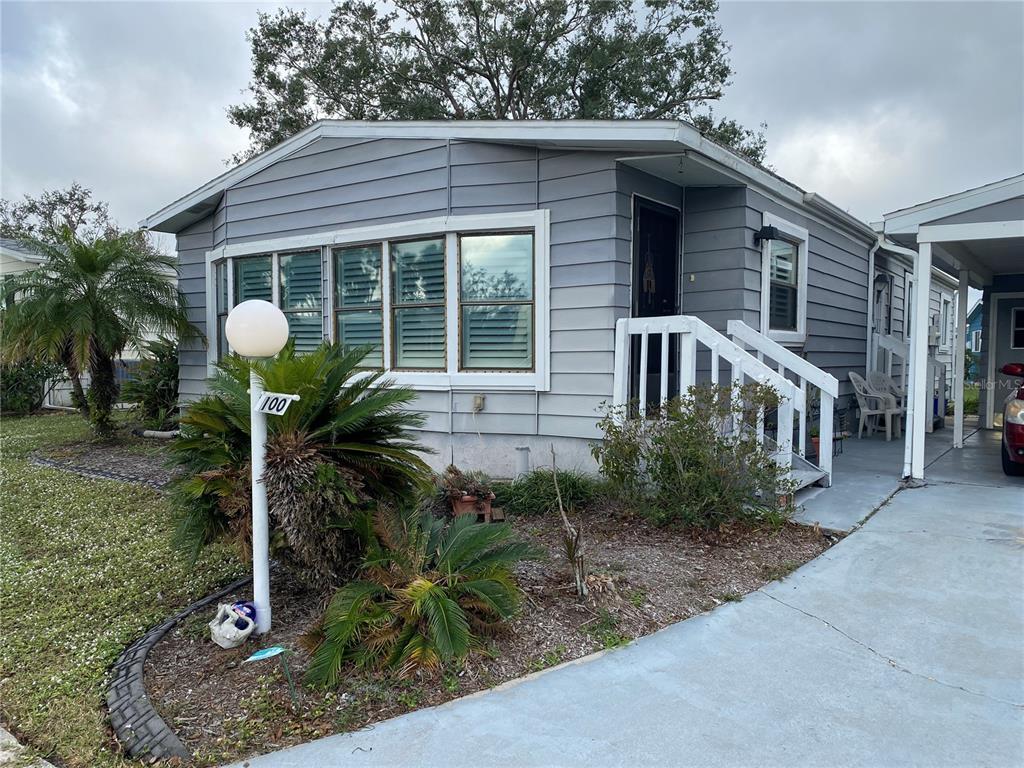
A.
x: 874, y: 105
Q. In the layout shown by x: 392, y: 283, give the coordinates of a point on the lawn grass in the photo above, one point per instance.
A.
x: 87, y: 568
x: 971, y: 394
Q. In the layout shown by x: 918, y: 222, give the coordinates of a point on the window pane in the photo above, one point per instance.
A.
x: 307, y: 330
x: 222, y: 287
x: 356, y: 329
x: 1017, y: 329
x: 418, y: 269
x: 782, y: 308
x: 222, y: 339
x: 357, y: 276
x: 497, y: 337
x: 784, y: 262
x: 300, y: 280
x: 252, y: 279
x: 419, y: 337
x: 497, y: 267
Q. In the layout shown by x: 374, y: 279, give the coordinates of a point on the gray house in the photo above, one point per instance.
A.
x: 520, y: 275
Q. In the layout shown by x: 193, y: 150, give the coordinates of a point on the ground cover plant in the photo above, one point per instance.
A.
x: 87, y: 567
x: 534, y: 493
x: 345, y: 442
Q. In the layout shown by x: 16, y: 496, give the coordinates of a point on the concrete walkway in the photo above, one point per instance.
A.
x: 902, y: 645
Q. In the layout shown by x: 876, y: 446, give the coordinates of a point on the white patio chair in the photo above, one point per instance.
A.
x: 883, y: 382
x: 873, y: 405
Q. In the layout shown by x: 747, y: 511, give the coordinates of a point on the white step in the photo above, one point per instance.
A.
x: 805, y: 477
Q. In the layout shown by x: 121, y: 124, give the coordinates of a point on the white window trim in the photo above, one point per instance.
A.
x: 539, y: 221
x: 945, y: 320
x: 799, y: 336
x: 1013, y: 324
x: 976, y: 340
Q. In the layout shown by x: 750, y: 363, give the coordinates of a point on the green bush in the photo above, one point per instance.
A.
x: 534, y: 492
x: 428, y: 591
x: 346, y: 441
x: 685, y: 463
x: 23, y: 384
x: 154, y: 388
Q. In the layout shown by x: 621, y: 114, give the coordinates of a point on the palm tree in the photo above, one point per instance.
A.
x: 90, y: 300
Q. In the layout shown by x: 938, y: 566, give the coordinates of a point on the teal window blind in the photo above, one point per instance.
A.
x: 496, y: 302
x: 417, y: 304
x: 782, y: 297
x: 301, y: 294
x: 358, y: 310
x: 253, y: 279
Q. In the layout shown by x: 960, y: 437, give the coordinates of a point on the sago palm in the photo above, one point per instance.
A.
x: 428, y: 591
x: 346, y: 440
x: 88, y: 301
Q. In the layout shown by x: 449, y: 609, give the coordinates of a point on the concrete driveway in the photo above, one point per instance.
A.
x: 902, y: 645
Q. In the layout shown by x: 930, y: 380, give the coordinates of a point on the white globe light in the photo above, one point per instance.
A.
x: 256, y: 328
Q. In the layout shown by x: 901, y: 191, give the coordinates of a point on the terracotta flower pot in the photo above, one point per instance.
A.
x: 816, y: 442
x: 473, y: 505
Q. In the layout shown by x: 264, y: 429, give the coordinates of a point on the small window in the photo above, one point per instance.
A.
x: 1017, y: 328
x: 976, y: 341
x: 221, y: 278
x: 253, y: 279
x: 784, y: 286
x: 418, y: 305
x: 300, y: 290
x: 496, y: 302
x: 946, y: 319
x: 358, y: 292
x: 908, y: 305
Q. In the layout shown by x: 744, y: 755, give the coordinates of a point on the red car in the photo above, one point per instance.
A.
x: 1013, y: 424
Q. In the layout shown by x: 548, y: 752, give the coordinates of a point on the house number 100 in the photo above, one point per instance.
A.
x: 275, y: 403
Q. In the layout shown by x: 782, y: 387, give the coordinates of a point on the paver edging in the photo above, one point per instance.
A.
x: 137, y: 726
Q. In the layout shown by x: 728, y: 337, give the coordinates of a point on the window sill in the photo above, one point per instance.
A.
x: 788, y: 338
x: 437, y: 381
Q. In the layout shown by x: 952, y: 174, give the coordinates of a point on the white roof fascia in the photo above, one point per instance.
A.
x: 907, y: 220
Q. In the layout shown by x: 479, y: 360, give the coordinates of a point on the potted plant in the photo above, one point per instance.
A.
x: 469, y: 493
x: 816, y: 440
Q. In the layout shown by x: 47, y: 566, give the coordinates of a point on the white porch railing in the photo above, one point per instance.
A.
x: 895, y: 347
x: 807, y: 375
x: 694, y: 334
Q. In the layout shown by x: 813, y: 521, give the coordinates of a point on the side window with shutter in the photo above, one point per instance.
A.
x: 301, y: 302
x: 418, y: 305
x: 496, y: 302
x: 358, y: 301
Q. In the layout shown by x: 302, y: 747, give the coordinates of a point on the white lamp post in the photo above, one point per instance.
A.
x: 258, y: 329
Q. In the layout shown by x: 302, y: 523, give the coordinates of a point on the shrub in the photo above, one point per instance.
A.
x: 429, y: 591
x: 23, y: 384
x: 154, y: 386
x: 684, y: 462
x: 534, y: 492
x: 344, y: 442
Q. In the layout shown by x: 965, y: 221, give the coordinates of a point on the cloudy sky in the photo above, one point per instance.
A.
x: 876, y: 105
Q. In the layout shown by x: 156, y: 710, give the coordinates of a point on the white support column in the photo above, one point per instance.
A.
x: 919, y: 354
x: 959, y: 350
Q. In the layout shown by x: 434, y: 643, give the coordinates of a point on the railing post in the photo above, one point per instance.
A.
x: 687, y: 360
x: 802, y: 437
x: 663, y: 394
x: 620, y: 385
x: 785, y: 431
x: 644, y: 339
x: 825, y: 436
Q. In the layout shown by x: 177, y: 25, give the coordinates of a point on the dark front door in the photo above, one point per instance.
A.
x: 655, y: 290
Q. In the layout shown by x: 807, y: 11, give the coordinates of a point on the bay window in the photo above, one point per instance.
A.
x: 439, y: 303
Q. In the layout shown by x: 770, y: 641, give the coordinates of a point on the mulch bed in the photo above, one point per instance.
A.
x: 130, y: 459
x: 642, y: 579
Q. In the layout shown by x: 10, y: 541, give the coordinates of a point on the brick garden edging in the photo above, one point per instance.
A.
x: 137, y: 726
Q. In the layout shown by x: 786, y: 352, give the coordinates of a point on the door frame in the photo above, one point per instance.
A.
x: 994, y: 298
x: 637, y: 197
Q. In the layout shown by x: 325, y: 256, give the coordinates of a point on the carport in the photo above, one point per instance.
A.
x: 978, y: 237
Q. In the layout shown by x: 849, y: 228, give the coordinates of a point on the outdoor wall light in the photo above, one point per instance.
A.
x: 258, y: 329
x: 766, y: 233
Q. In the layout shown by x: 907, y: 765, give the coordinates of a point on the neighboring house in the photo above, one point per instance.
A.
x: 489, y: 262
x: 978, y: 236
x: 16, y: 257
x: 972, y: 340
